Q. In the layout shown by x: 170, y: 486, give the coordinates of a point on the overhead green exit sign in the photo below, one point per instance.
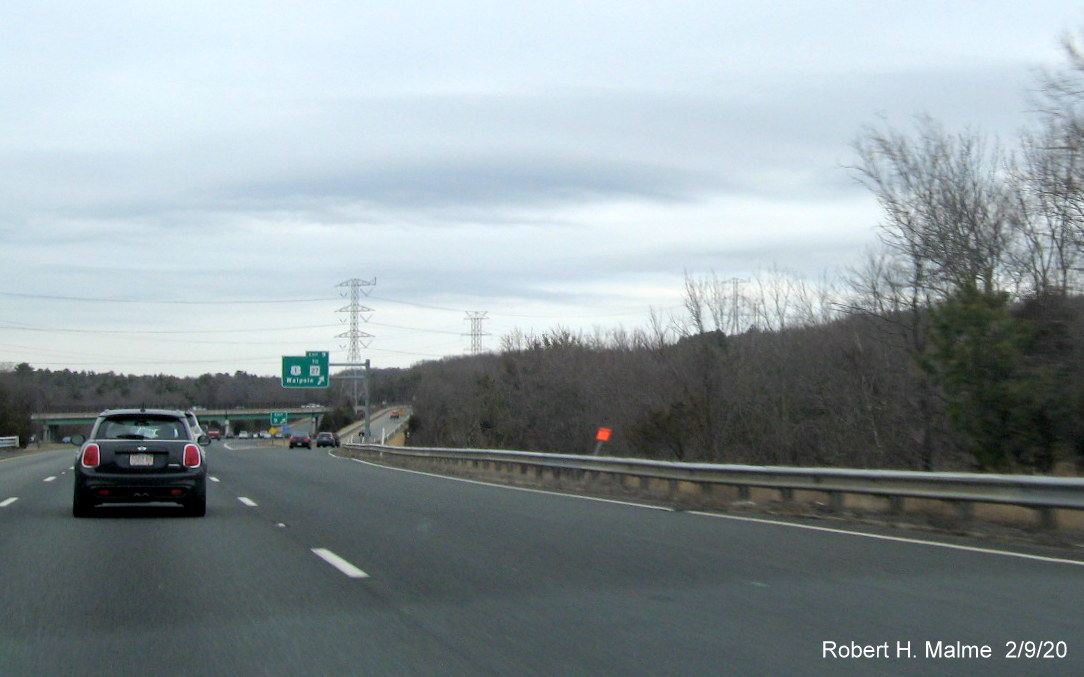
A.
x: 310, y: 371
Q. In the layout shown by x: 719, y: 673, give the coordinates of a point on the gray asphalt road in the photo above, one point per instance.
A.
x: 457, y: 578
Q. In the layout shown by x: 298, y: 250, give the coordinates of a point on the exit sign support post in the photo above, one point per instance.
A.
x: 313, y: 370
x: 368, y: 408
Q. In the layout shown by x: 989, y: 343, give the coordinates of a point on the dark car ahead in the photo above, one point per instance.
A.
x: 300, y: 440
x: 141, y: 456
x: 327, y: 440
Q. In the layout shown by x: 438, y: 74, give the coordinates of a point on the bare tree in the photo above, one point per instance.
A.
x: 1052, y: 178
x: 951, y: 219
x: 1051, y: 194
x: 950, y: 213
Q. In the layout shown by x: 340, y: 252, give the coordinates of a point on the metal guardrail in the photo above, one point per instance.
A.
x: 963, y: 490
x: 352, y: 434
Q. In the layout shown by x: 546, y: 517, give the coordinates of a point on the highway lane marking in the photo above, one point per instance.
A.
x: 898, y: 539
x: 8, y: 501
x: 215, y: 479
x: 966, y: 548
x: 16, y: 458
x: 49, y: 479
x: 596, y: 499
x: 247, y: 501
x: 339, y: 563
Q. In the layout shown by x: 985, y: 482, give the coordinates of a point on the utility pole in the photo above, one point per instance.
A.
x: 476, y: 318
x: 358, y: 339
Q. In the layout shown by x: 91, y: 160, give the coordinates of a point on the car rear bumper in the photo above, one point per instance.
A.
x: 142, y: 488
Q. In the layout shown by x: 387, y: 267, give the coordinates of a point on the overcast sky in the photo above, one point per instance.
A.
x: 183, y: 184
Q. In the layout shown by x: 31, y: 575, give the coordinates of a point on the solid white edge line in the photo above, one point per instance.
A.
x: 6, y: 502
x: 247, y: 501
x: 898, y: 539
x: 506, y: 486
x: 339, y: 563
x: 966, y: 548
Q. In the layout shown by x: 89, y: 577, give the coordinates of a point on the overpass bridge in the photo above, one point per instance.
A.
x: 220, y: 418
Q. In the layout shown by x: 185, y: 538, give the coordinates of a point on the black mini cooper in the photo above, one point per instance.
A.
x: 141, y: 456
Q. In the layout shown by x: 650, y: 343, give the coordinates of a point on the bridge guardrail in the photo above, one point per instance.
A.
x: 352, y: 434
x: 1049, y: 502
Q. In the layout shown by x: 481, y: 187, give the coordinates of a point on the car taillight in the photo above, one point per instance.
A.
x: 92, y: 456
x: 192, y: 457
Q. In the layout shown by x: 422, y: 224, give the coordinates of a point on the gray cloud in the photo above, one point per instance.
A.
x: 553, y: 158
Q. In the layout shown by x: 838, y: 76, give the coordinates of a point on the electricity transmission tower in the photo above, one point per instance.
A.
x: 358, y: 339
x: 476, y: 317
x: 737, y: 301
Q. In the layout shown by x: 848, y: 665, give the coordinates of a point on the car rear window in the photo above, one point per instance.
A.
x: 142, y: 428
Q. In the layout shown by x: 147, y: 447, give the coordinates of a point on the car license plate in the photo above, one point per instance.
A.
x: 141, y: 460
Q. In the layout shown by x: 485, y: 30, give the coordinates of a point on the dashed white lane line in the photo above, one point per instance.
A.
x: 214, y: 479
x: 8, y: 501
x: 50, y: 478
x: 247, y: 501
x: 339, y: 563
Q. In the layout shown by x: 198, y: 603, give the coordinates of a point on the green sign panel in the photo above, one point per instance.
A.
x: 278, y: 418
x: 310, y: 371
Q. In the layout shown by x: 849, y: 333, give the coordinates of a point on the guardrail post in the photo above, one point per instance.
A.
x: 895, y: 505
x: 964, y: 510
x: 835, y: 501
x: 1048, y: 519
x: 707, y: 489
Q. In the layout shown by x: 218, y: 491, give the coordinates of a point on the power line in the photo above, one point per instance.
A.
x: 558, y: 316
x: 50, y: 297
x: 63, y: 330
